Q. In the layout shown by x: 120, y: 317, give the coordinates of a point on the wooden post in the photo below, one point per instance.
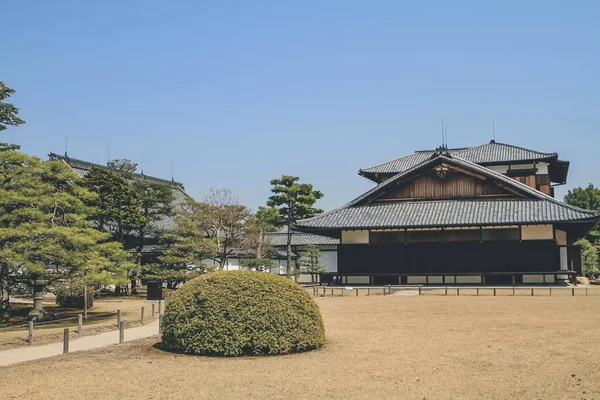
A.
x: 446, y: 291
x: 513, y: 290
x: 420, y: 290
x: 121, y: 332
x: 384, y: 290
x: 458, y: 291
x: 494, y: 291
x: 323, y: 291
x: 118, y: 318
x: 331, y: 292
x: 160, y: 318
x: 80, y: 324
x: 550, y: 291
x: 477, y: 291
x: 572, y: 291
x: 142, y: 316
x: 153, y: 314
x: 30, y: 332
x: 532, y: 291
x: 85, y: 300
x: 159, y: 306
x: 357, y: 291
x: 368, y: 291
x: 66, y: 341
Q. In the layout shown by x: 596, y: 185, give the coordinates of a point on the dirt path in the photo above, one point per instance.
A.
x: 18, y: 355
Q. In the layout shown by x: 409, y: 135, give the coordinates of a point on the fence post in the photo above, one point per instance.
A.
x: 420, y: 290
x: 550, y: 291
x: 513, y: 290
x: 142, y: 316
x: 121, y: 332
x: 532, y: 291
x: 153, y: 314
x: 80, y: 324
x: 159, y: 307
x: 357, y: 291
x: 66, y: 341
x: 368, y: 291
x: 458, y: 291
x: 30, y: 332
x: 324, y: 291
x: 494, y: 291
x: 586, y: 288
x: 118, y: 318
x: 160, y: 318
x: 85, y: 300
x: 446, y: 291
x: 572, y: 291
x: 477, y: 291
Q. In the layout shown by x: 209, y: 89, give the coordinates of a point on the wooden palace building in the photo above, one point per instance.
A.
x: 479, y: 215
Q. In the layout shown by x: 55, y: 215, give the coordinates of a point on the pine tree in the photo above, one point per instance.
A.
x: 44, y: 228
x: 294, y: 201
x: 8, y: 112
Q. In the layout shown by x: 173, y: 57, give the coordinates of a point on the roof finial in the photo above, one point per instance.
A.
x: 494, y: 130
x: 442, y: 132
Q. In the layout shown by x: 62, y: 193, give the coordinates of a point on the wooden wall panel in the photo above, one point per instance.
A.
x: 455, y: 185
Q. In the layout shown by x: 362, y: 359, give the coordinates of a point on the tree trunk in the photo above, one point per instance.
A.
x: 288, y: 270
x: 4, y: 294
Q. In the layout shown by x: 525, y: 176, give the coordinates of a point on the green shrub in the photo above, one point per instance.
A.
x: 242, y: 313
x: 71, y: 295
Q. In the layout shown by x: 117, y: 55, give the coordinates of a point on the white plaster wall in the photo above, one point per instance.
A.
x: 356, y: 280
x: 435, y: 280
x: 416, y: 279
x: 537, y: 232
x: 355, y: 237
x: 232, y: 264
x: 499, y: 168
x: 533, y: 279
x: 549, y: 278
x: 449, y: 279
x: 564, y: 262
x: 522, y: 166
x: 329, y: 260
x: 542, y: 168
x: 561, y: 238
x: 468, y: 279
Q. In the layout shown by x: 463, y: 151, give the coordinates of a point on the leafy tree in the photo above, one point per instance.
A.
x: 186, y: 245
x: 44, y: 228
x: 224, y: 222
x: 587, y: 198
x: 117, y: 207
x: 311, y: 261
x: 123, y: 166
x: 256, y: 226
x: 294, y: 201
x: 589, y: 257
x: 8, y: 112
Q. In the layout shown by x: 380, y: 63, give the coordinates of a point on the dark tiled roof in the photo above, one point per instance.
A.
x: 486, y: 154
x: 536, y: 207
x: 299, y: 239
x: 82, y: 167
x: 440, y: 213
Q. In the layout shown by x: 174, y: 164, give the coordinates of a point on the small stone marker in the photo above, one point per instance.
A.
x: 66, y: 341
x: 30, y: 332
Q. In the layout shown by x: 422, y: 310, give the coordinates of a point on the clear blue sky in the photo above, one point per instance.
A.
x: 238, y: 93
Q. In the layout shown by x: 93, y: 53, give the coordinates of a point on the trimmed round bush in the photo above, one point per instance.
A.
x: 242, y: 313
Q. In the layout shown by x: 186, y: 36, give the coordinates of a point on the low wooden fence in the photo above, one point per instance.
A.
x: 329, y: 291
x: 120, y: 324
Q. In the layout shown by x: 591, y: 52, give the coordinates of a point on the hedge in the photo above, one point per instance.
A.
x: 242, y: 313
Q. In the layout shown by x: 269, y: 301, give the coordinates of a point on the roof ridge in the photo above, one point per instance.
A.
x: 511, y: 145
x: 92, y: 164
x: 387, y: 162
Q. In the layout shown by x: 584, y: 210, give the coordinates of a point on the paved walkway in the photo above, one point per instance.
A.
x: 22, y: 354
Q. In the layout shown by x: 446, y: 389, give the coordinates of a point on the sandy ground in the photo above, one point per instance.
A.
x: 430, y: 347
x: 130, y: 307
